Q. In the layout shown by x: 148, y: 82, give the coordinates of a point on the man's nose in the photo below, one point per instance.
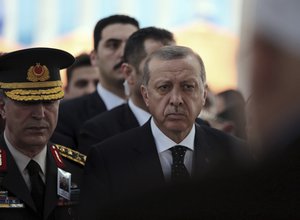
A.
x: 38, y: 111
x: 176, y: 97
x: 90, y: 87
x: 121, y: 49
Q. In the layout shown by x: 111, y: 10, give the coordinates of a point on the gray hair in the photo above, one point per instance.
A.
x: 172, y: 53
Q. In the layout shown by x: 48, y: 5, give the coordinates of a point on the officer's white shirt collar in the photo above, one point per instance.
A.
x: 164, y: 143
x: 22, y: 160
x: 110, y: 99
x: 141, y: 115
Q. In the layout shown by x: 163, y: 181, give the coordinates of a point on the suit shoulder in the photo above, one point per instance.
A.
x: 71, y: 155
x: 220, y: 135
x: 68, y: 104
x: 129, y: 137
x: 106, y: 116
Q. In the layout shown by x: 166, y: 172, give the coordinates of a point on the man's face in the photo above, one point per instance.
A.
x: 175, y: 94
x: 110, y: 52
x: 29, y: 125
x: 84, y: 80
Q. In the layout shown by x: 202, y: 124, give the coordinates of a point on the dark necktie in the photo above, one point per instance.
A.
x: 179, y: 172
x: 37, y: 185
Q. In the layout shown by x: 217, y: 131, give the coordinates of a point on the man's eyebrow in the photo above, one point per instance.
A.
x: 113, y: 40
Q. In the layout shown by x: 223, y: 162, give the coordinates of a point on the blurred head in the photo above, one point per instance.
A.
x: 276, y: 63
x: 82, y: 77
x: 140, y: 44
x: 30, y: 94
x: 110, y: 36
x: 230, y: 115
x: 174, y: 89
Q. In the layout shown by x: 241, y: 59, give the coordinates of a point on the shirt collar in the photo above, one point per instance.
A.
x: 110, y: 99
x: 141, y: 115
x: 164, y: 143
x: 22, y: 160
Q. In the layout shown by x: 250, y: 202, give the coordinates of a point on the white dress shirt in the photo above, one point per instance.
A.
x: 141, y: 115
x: 22, y: 161
x: 163, y: 144
x: 110, y: 99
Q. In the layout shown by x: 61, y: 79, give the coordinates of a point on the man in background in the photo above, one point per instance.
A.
x: 134, y: 113
x: 110, y: 36
x: 82, y: 77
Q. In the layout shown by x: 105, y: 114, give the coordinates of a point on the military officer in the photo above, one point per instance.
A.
x: 38, y: 179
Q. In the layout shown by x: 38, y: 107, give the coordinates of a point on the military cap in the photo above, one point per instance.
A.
x: 33, y: 74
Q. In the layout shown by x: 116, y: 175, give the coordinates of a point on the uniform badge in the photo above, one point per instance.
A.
x: 2, y: 160
x: 64, y: 184
x: 38, y: 73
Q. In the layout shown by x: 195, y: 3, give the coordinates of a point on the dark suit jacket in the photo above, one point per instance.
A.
x: 72, y: 114
x: 269, y: 190
x: 108, y: 124
x: 105, y: 125
x: 128, y: 164
x: 12, y: 181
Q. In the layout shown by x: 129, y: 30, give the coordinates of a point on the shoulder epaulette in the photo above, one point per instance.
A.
x: 71, y: 154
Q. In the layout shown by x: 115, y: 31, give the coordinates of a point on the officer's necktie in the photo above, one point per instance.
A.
x: 37, y: 185
x: 179, y: 172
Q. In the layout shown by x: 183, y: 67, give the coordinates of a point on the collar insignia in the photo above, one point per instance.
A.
x: 2, y: 160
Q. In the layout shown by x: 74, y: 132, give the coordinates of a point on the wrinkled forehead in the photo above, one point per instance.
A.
x: 181, y: 67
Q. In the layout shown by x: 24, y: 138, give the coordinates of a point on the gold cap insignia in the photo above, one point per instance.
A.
x: 38, y: 73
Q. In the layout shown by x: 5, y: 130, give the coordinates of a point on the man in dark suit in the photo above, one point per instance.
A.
x: 271, y: 190
x: 30, y: 166
x: 134, y: 113
x: 110, y: 36
x: 169, y: 148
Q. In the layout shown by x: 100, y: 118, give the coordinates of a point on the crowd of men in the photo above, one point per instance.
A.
x: 139, y: 135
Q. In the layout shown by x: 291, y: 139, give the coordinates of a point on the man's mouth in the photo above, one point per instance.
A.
x: 118, y: 65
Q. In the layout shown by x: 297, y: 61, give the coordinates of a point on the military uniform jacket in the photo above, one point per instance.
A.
x: 15, y: 198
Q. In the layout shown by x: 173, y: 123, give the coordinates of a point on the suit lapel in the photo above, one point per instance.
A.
x: 129, y: 120
x: 51, y: 185
x: 201, y: 158
x: 96, y: 105
x: 13, y: 180
x: 145, y: 160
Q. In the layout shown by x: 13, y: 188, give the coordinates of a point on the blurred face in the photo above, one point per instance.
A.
x: 29, y: 125
x: 275, y: 85
x: 84, y: 81
x: 110, y: 52
x: 174, y: 95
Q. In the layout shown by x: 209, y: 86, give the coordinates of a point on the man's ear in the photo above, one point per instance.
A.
x: 205, y: 91
x: 129, y: 73
x: 93, y: 58
x: 145, y: 95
